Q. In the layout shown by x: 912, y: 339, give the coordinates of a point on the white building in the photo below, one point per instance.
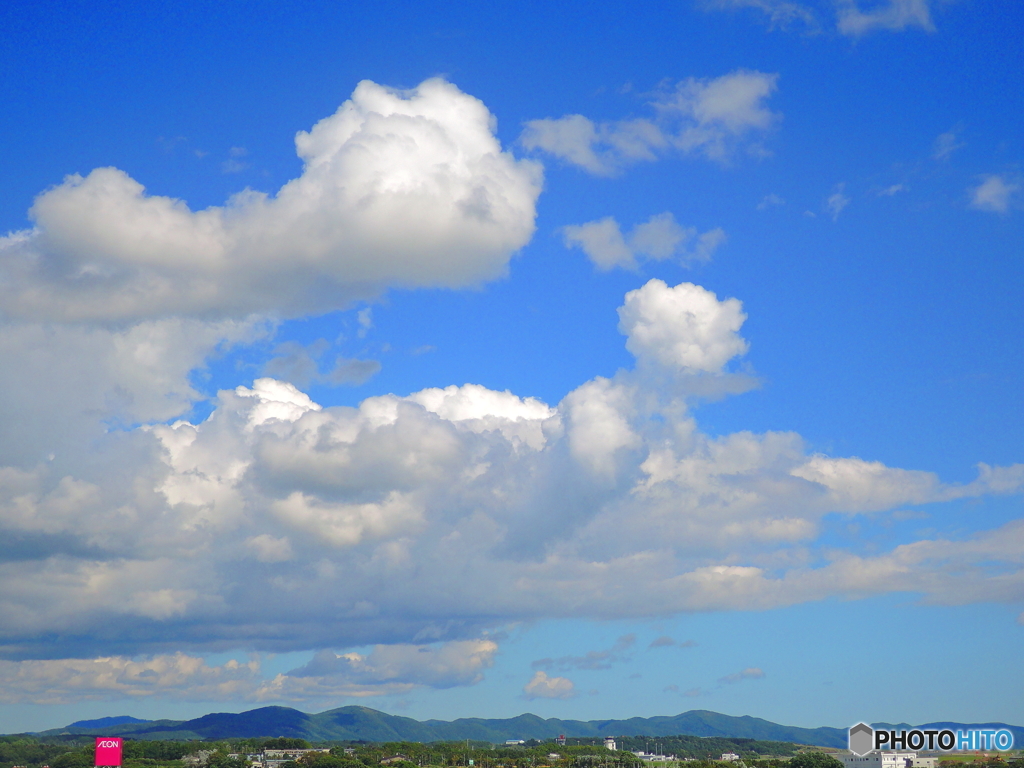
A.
x: 275, y: 758
x: 881, y: 760
x: 730, y: 757
x: 609, y: 742
x: 290, y: 754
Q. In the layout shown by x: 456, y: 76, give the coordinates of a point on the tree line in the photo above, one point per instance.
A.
x: 79, y: 752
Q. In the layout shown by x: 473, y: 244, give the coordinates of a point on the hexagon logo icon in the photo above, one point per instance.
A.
x: 862, y: 739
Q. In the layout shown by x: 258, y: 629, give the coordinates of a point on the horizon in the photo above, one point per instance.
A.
x: 596, y: 359
x: 513, y: 717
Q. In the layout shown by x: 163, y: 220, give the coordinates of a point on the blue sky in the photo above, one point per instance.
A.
x: 457, y: 360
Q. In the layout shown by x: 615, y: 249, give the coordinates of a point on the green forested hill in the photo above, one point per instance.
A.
x: 365, y: 724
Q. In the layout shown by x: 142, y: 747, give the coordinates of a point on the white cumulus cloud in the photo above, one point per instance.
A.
x: 111, y: 305
x: 397, y: 188
x: 424, y: 521
x: 685, y: 327
x: 543, y: 687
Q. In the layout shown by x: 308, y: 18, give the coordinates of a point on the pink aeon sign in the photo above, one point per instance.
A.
x: 108, y: 751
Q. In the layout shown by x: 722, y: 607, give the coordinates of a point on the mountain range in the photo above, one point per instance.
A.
x: 364, y: 724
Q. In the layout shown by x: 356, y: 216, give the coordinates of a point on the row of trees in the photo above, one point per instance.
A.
x: 20, y: 750
x: 459, y: 753
x: 34, y: 753
x: 81, y: 752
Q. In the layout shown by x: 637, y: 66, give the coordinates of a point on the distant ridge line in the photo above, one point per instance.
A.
x: 356, y: 723
x: 106, y: 722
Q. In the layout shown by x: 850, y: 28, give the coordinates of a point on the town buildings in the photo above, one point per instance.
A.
x: 885, y: 760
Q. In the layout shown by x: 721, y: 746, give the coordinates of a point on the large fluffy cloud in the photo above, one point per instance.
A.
x: 129, y: 542
x: 115, y: 299
x: 426, y: 159
x: 277, y: 524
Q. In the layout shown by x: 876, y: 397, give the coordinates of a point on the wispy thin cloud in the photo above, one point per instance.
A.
x: 667, y: 642
x: 894, y: 16
x: 235, y: 162
x: 945, y: 145
x: 659, y: 238
x: 995, y: 194
x: 714, y: 118
x: 780, y: 14
x: 837, y: 201
x: 592, y: 659
x: 770, y: 201
x: 850, y: 18
x: 892, y: 190
x: 750, y: 673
